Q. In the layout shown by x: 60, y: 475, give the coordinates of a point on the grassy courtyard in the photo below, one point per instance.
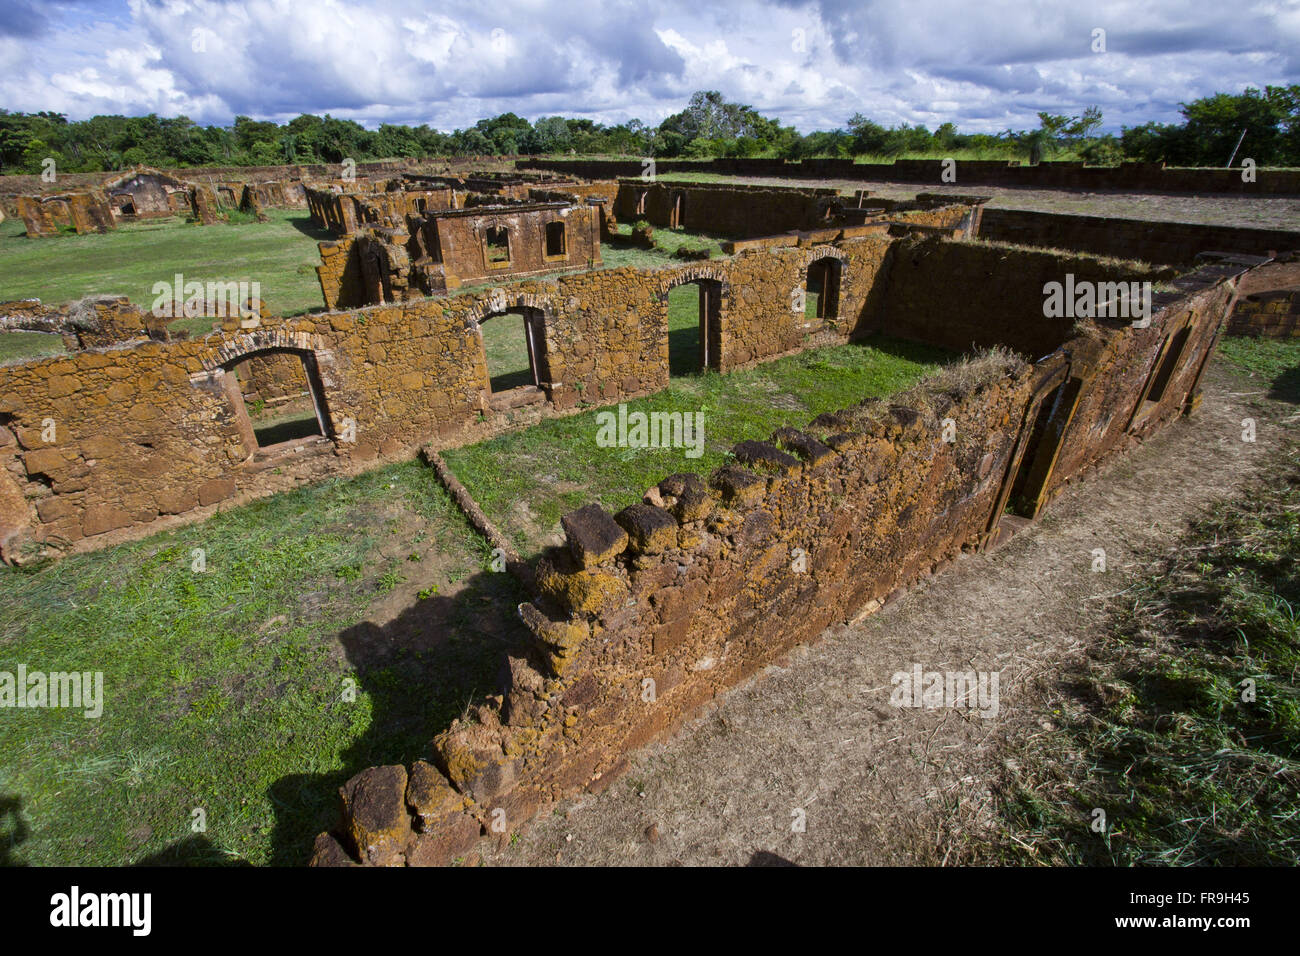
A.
x: 526, y: 480
x: 228, y: 690
x: 280, y: 254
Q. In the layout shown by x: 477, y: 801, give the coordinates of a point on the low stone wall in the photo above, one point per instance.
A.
x: 1130, y: 177
x: 1164, y: 243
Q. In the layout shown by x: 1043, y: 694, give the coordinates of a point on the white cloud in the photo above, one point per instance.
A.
x: 812, y: 63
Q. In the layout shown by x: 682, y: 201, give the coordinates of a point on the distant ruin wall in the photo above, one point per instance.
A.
x: 1273, y: 314
x: 1164, y: 243
x: 740, y: 211
x: 1130, y: 177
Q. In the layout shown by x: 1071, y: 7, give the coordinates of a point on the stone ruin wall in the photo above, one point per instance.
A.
x: 1273, y: 314
x: 693, y: 590
x: 148, y: 431
x: 389, y: 264
x: 1129, y: 177
x: 1164, y: 243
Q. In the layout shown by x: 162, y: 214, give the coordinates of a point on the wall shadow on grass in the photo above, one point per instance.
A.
x: 420, y: 671
x: 1286, y: 387
x: 13, y: 829
x: 308, y: 228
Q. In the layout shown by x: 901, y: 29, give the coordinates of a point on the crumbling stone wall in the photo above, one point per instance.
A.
x: 439, y: 251
x: 92, y: 322
x: 84, y: 212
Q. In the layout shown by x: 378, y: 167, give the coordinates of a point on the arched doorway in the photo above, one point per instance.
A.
x: 822, y: 290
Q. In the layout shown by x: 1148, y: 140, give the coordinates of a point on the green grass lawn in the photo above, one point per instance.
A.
x: 616, y: 255
x: 280, y: 254
x: 1273, y: 362
x: 25, y: 346
x: 225, y: 690
x: 526, y: 480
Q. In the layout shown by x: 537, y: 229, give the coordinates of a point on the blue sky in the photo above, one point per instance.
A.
x: 985, y: 64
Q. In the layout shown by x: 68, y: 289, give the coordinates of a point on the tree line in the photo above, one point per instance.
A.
x: 1263, y: 125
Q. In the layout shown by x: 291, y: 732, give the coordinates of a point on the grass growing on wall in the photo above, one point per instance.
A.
x: 281, y: 254
x: 224, y: 690
x: 525, y: 481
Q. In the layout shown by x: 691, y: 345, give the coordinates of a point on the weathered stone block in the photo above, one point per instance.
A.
x: 767, y: 458
x: 738, y: 486
x: 375, y: 816
x: 594, y: 537
x: 218, y: 489
x: 101, y: 518
x: 691, y: 498
x: 650, y: 529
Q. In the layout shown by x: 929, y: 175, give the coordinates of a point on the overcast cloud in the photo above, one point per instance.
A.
x: 986, y: 64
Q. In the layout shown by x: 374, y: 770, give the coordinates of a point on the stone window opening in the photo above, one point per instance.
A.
x: 822, y: 290
x: 555, y: 245
x: 497, y: 246
x: 1168, y: 364
x: 1042, y: 448
x: 514, y: 354
x: 694, y: 337
x: 277, y: 399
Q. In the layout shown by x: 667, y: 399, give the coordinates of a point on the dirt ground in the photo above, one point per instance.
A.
x: 817, y: 739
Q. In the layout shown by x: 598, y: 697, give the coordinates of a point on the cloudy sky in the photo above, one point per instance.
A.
x: 984, y: 64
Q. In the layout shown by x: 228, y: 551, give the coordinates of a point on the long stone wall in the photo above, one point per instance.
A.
x: 1166, y: 243
x: 1130, y: 177
x: 154, y: 429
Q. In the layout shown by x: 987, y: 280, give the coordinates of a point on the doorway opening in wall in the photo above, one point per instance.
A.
x: 1042, y: 448
x: 822, y: 291
x: 679, y: 212
x: 498, y: 245
x: 555, y: 239
x: 277, y: 398
x: 693, y: 326
x: 514, y: 350
x: 1166, y: 367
